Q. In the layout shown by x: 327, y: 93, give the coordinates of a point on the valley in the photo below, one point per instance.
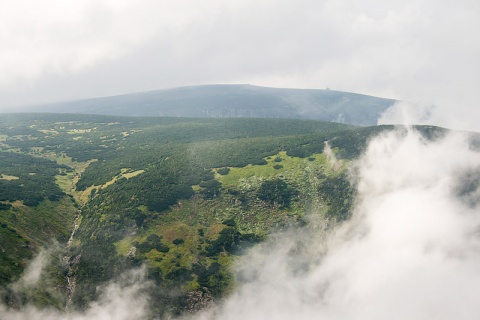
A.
x: 183, y: 197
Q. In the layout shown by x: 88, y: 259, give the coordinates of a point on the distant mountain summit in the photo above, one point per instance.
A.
x: 236, y: 101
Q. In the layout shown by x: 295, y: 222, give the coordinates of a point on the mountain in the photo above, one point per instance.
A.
x: 243, y: 101
x: 183, y: 197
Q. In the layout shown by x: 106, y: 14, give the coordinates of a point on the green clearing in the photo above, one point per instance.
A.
x: 291, y: 167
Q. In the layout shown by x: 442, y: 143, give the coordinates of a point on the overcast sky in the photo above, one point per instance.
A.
x: 423, y: 51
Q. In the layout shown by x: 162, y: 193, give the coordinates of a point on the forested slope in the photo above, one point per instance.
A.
x: 182, y: 196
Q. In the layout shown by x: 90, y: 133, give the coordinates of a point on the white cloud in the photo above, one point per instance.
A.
x: 33, y: 272
x: 411, y: 250
x: 407, y: 113
x: 124, y: 299
x: 68, y: 36
x: 422, y: 51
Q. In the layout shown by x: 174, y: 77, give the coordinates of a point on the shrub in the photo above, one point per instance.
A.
x: 178, y: 241
x: 223, y: 171
x: 276, y: 192
x: 5, y: 206
x: 229, y: 223
x: 210, y: 189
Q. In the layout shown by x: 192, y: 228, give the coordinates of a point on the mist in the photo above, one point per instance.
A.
x: 122, y: 299
x: 410, y: 251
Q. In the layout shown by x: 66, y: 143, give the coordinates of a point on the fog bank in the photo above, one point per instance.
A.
x: 410, y: 251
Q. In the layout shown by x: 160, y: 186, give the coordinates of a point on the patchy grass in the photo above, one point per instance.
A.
x: 123, y: 246
x: 290, y: 167
x: 48, y: 131
x: 66, y: 182
x: 82, y: 196
x: 7, y: 177
x: 77, y: 131
x: 132, y: 174
x: 188, y: 228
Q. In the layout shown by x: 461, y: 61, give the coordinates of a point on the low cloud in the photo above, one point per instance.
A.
x: 33, y: 272
x: 407, y: 113
x: 410, y: 251
x: 123, y: 299
x: 463, y: 117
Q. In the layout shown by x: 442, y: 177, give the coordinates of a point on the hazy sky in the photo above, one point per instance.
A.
x: 424, y: 51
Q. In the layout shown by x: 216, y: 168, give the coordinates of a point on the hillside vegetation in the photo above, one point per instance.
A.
x: 182, y: 196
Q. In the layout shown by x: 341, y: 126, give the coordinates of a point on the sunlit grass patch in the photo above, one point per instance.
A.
x: 7, y: 177
x: 277, y: 165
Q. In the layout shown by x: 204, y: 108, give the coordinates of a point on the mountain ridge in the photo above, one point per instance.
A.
x: 235, y: 101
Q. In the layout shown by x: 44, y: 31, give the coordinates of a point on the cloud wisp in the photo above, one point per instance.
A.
x: 410, y: 251
x: 123, y: 299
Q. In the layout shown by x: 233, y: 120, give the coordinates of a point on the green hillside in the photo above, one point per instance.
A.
x: 182, y: 196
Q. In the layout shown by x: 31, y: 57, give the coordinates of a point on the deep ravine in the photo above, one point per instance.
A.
x: 70, y: 277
